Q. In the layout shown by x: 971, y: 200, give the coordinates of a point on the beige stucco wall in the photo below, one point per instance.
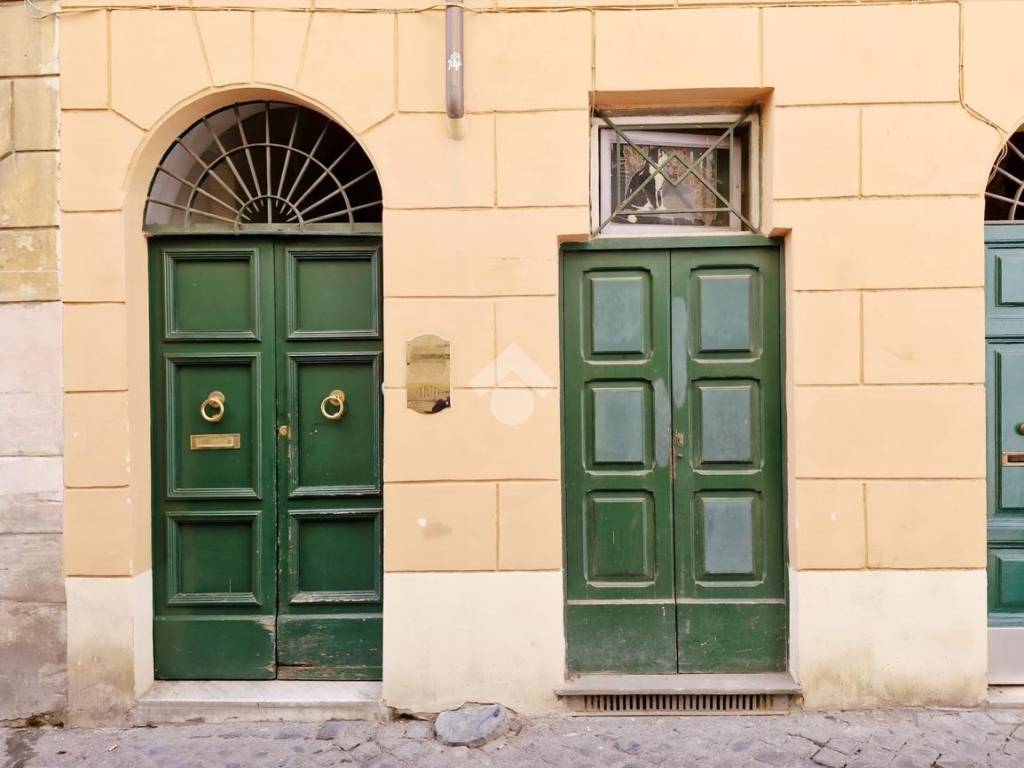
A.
x: 876, y: 155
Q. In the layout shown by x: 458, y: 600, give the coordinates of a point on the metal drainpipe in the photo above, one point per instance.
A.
x: 453, y: 90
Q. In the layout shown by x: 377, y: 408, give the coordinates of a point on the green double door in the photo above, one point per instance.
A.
x: 1004, y: 330
x: 266, y: 424
x: 673, y: 460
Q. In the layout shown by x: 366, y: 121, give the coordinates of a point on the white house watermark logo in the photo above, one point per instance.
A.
x: 520, y: 382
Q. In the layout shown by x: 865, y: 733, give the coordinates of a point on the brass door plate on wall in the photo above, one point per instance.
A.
x: 229, y: 441
x: 428, y: 377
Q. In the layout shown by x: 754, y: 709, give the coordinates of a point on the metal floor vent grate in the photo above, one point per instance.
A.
x: 677, y: 703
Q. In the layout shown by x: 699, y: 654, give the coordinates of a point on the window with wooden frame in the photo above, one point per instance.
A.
x: 687, y: 174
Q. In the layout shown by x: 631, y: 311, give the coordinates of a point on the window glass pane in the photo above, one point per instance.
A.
x: 671, y: 181
x: 666, y: 177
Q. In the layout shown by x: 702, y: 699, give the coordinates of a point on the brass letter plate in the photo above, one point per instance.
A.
x: 428, y: 386
x: 1013, y: 459
x: 211, y: 442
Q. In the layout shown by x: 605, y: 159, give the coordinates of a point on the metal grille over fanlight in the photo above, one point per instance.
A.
x: 1005, y: 188
x: 264, y: 165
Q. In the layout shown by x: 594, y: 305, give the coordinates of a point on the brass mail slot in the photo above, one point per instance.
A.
x: 227, y: 442
x: 1013, y: 459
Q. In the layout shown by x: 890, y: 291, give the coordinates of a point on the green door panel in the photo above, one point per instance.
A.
x: 214, y: 521
x: 675, y: 545
x: 329, y: 498
x: 326, y: 457
x: 1004, y: 281
x: 631, y: 638
x: 729, y: 524
x: 726, y: 424
x: 732, y: 637
x: 213, y: 293
x: 332, y: 292
x: 214, y: 647
x: 620, y: 538
x: 330, y: 647
x: 1007, y: 375
x: 215, y: 473
x: 616, y: 425
x: 267, y: 552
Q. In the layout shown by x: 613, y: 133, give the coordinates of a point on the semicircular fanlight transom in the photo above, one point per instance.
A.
x: 264, y: 164
x: 1004, y: 193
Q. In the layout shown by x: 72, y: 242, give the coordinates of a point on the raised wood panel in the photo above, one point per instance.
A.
x: 622, y: 415
x: 1006, y: 573
x: 728, y: 537
x: 727, y: 423
x: 620, y: 538
x: 215, y: 558
x: 725, y: 311
x: 1008, y: 363
x: 220, y: 474
x: 1010, y: 278
x: 335, y: 556
x: 618, y: 321
x: 211, y: 294
x: 342, y: 457
x: 332, y: 293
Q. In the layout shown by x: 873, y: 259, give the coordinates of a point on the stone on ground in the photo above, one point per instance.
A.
x: 472, y: 725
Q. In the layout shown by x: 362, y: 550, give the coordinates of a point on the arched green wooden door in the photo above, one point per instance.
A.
x: 266, y: 423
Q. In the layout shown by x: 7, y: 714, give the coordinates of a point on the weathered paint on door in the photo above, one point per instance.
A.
x: 1004, y: 330
x: 267, y: 556
x: 673, y: 460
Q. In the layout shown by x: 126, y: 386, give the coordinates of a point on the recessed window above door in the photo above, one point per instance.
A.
x: 675, y: 175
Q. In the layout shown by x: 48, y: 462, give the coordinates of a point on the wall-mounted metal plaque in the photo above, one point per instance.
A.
x: 228, y: 441
x: 428, y: 375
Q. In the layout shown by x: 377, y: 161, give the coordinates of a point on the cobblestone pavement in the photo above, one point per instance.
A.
x: 901, y: 739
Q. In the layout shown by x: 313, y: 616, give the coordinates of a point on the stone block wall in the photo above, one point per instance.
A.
x: 32, y: 603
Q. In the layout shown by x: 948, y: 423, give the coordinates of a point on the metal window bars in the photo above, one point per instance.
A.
x: 261, y: 165
x: 657, y: 175
x: 1004, y: 192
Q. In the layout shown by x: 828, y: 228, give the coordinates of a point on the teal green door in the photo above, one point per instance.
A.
x: 1004, y: 329
x: 675, y: 554
x: 267, y: 416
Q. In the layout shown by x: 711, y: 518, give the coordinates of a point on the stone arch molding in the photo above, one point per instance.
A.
x: 159, y: 56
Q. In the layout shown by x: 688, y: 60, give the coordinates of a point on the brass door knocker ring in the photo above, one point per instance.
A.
x: 214, y: 400
x: 337, y: 400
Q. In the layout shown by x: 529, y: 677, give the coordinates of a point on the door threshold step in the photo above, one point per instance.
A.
x: 1006, y: 696
x: 226, y: 701
x: 694, y: 694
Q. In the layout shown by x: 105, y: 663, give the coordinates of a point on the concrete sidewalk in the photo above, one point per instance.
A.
x: 898, y: 738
